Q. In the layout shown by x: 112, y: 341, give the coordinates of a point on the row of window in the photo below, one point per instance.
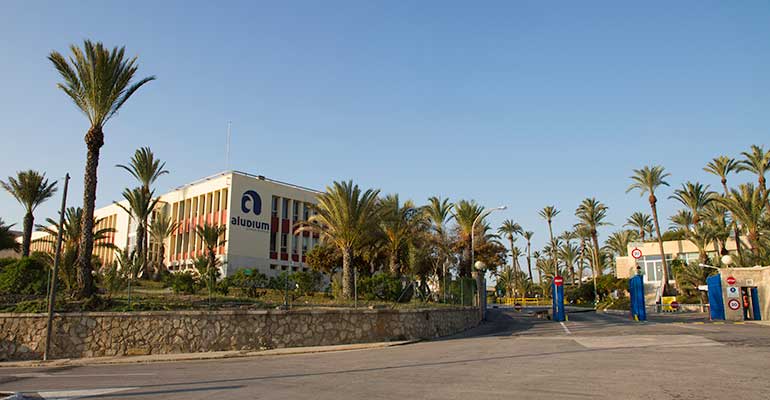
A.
x: 652, y: 266
x: 206, y: 208
x: 286, y: 268
x: 298, y: 209
x: 307, y: 243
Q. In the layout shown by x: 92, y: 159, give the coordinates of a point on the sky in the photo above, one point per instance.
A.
x: 517, y: 103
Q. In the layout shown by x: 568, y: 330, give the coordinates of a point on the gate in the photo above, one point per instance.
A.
x: 716, y: 303
x: 636, y: 289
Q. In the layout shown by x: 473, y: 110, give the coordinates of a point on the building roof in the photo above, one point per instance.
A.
x: 246, y: 174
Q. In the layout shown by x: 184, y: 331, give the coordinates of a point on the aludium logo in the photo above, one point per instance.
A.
x: 252, y: 197
x: 251, y: 203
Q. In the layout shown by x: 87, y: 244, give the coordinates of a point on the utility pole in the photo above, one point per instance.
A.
x: 56, y: 259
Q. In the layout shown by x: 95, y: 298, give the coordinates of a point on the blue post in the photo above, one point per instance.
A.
x: 558, y: 302
x: 636, y: 289
x: 716, y: 304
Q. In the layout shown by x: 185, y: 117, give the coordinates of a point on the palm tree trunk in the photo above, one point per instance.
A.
x: 393, y: 263
x: 735, y: 224
x: 529, y: 261
x: 94, y: 142
x: 664, y: 285
x: 140, y: 248
x: 553, y: 250
x: 347, y: 274
x: 597, y: 255
x: 29, y: 220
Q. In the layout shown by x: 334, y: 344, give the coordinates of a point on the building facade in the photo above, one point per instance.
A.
x: 259, y: 215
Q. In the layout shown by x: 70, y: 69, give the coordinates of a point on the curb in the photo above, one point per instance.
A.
x: 214, y: 355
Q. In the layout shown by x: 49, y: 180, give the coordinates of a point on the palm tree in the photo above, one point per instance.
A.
x: 30, y: 188
x: 465, y: 213
x: 344, y: 216
x: 647, y: 180
x: 397, y: 223
x: 681, y: 221
x: 584, y: 234
x: 548, y: 213
x: 758, y: 162
x: 528, y: 236
x: 721, y: 167
x: 569, y: 252
x: 212, y: 236
x: 694, y: 196
x: 161, y: 227
x: 146, y: 169
x: 640, y: 221
x: 7, y: 239
x: 99, y: 82
x: 140, y: 206
x: 509, y: 229
x: 592, y: 213
x: 438, y: 213
x: 748, y: 206
x: 618, y: 241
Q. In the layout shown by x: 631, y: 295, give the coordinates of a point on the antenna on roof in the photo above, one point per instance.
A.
x: 227, y: 150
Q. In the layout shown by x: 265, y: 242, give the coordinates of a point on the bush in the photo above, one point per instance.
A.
x: 308, y: 283
x: 25, y: 276
x: 382, y: 286
x: 7, y: 261
x: 580, y: 294
x: 113, y: 280
x: 183, y: 283
x: 249, y: 281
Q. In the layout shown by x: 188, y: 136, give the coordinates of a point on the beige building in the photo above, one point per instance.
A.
x: 748, y: 298
x: 259, y: 214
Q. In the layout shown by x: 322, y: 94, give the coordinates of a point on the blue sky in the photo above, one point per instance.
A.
x: 517, y: 103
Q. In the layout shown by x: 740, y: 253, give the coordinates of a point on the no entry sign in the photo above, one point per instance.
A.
x: 674, y: 305
x: 731, y: 280
x: 636, y: 253
x: 558, y: 281
x: 734, y: 304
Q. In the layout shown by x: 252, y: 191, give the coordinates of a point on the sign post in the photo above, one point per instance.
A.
x: 731, y: 280
x: 734, y: 304
x: 636, y: 253
x: 558, y: 298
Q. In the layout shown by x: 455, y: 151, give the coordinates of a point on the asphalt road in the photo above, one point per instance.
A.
x: 514, y: 356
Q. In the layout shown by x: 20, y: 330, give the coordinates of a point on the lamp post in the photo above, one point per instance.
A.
x: 481, y: 288
x: 479, y: 274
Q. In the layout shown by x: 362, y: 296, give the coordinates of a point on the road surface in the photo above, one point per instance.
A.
x: 514, y: 356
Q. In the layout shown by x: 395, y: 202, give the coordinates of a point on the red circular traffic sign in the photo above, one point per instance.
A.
x: 731, y: 280
x: 636, y: 253
x: 558, y: 281
x: 734, y: 304
x: 517, y: 307
x: 674, y: 305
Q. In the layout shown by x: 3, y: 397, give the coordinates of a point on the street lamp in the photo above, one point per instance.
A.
x: 481, y: 290
x: 479, y: 275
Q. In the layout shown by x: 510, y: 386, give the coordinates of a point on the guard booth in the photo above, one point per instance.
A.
x: 745, y: 293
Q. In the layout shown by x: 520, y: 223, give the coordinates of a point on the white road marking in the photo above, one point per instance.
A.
x: 565, y: 328
x: 77, y: 394
x: 54, y: 375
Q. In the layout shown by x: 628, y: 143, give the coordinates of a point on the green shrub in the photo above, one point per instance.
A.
x: 183, y: 283
x: 308, y: 283
x: 249, y: 282
x: 580, y: 294
x: 113, y: 280
x: 280, y: 282
x: 382, y: 286
x: 25, y: 276
x: 7, y: 261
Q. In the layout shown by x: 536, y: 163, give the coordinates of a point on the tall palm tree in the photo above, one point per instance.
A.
x: 647, y: 180
x: 141, y: 204
x: 548, y: 213
x: 344, y: 216
x: 721, y: 166
x: 439, y: 213
x: 641, y: 222
x: 618, y: 241
x: 748, y: 205
x: 681, y: 221
x: 465, y: 213
x: 756, y: 161
x: 30, y: 188
x: 146, y: 169
x: 99, y: 82
x: 536, y: 255
x: 528, y: 236
x: 509, y: 229
x: 592, y: 214
x: 584, y: 234
x: 7, y: 239
x: 161, y: 227
x: 695, y: 196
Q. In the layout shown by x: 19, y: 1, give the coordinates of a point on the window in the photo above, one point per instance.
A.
x: 304, y: 244
x: 295, y: 214
x: 275, y: 207
x: 285, y: 209
x: 273, y: 266
x: 294, y: 244
x: 305, y: 212
x: 653, y: 268
x: 284, y: 241
x: 273, y: 241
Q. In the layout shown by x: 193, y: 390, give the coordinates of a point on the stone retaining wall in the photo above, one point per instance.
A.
x: 96, y: 334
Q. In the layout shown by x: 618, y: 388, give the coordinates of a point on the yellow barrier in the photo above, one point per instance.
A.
x: 524, y: 301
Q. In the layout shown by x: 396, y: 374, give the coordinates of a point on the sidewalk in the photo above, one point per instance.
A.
x: 213, y: 355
